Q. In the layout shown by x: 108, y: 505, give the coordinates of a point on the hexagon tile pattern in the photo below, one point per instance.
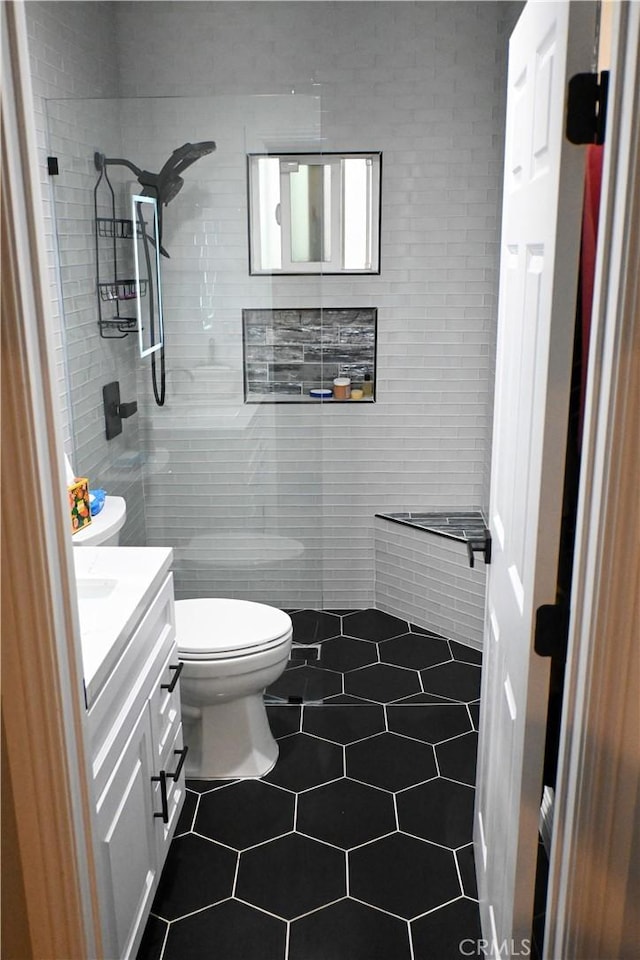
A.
x: 357, y: 845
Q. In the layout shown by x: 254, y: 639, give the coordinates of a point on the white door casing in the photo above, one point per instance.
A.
x: 542, y: 205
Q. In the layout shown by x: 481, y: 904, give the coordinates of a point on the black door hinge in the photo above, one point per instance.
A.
x: 52, y: 166
x: 479, y: 545
x: 587, y: 107
x: 552, y: 630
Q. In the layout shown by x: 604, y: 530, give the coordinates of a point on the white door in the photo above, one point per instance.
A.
x: 542, y: 205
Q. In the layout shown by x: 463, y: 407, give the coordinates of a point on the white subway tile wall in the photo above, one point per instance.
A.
x: 73, y: 48
x: 424, y: 83
x: 427, y: 579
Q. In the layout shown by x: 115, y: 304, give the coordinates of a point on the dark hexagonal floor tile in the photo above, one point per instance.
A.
x: 305, y: 762
x: 415, y: 651
x: 345, y: 653
x: 310, y: 626
x: 346, y: 699
x: 429, y: 722
x: 424, y: 698
x: 382, y: 683
x: 440, y: 810
x: 465, y: 653
x: 390, y: 762
x: 459, y: 681
x: 344, y: 724
x: 291, y: 876
x: 457, y: 758
x: 373, y: 625
x: 348, y: 930
x: 245, y: 814
x: 284, y: 720
x: 440, y: 933
x: 206, y: 786
x: 185, y: 820
x: 467, y: 867
x: 403, y: 875
x: 307, y: 683
x: 152, y: 939
x: 197, y: 873
x: 232, y: 930
x: 345, y: 813
x: 474, y: 710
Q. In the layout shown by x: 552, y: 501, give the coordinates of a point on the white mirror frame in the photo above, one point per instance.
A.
x: 135, y: 201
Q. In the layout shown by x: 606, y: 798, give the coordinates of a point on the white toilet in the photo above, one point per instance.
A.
x: 231, y: 650
x: 104, y: 529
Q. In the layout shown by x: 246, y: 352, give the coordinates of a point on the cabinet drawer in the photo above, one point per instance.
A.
x: 132, y: 682
x: 175, y: 793
x: 165, y: 710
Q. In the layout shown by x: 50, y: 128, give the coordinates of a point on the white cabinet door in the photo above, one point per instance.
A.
x: 128, y: 841
x: 542, y: 205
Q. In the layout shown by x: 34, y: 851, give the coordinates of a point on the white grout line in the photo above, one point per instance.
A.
x: 164, y: 942
x: 439, y: 907
x: 218, y: 843
x: 235, y: 876
x: 395, y: 810
x: 410, y: 935
x: 255, y: 906
x: 287, y: 935
x: 373, y: 906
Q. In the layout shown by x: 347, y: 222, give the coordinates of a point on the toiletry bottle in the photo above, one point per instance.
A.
x: 342, y: 388
x: 367, y: 387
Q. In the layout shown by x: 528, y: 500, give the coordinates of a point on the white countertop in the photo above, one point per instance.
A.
x: 115, y: 586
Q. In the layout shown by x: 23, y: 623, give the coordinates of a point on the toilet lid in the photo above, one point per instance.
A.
x: 208, y: 628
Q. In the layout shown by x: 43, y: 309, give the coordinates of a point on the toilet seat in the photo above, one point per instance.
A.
x: 216, y: 629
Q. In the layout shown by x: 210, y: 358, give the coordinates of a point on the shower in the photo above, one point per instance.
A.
x: 164, y: 187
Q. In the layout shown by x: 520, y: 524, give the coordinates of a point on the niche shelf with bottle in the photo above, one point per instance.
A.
x: 295, y: 355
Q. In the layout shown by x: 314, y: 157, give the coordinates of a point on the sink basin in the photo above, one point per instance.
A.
x: 95, y: 589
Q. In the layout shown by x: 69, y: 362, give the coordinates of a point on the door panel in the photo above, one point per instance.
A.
x: 542, y: 204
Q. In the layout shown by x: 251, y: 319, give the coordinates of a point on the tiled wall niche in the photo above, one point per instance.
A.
x: 287, y: 353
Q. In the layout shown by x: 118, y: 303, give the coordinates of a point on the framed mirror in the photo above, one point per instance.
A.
x: 147, y: 290
x: 314, y: 213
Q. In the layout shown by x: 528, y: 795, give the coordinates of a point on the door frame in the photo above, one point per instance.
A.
x: 50, y: 899
x: 592, y: 900
x: 596, y: 709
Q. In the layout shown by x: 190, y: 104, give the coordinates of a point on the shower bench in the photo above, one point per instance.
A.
x: 429, y: 570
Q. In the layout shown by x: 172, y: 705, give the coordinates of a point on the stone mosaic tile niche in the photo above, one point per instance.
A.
x: 289, y: 352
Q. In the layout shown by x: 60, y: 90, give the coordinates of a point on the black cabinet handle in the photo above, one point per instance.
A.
x: 178, y: 670
x: 162, y: 780
x: 183, y: 756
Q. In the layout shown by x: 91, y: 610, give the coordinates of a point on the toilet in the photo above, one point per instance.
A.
x: 230, y: 651
x: 104, y: 529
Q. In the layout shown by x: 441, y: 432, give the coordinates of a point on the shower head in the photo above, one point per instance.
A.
x: 167, y: 184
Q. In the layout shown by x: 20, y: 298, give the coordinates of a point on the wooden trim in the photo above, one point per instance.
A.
x: 42, y: 704
x: 593, y: 896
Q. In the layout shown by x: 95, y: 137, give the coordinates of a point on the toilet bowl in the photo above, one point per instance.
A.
x: 230, y: 651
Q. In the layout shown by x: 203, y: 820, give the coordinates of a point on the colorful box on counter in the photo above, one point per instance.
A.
x: 79, y: 504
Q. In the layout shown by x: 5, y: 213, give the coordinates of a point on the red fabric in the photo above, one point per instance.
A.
x: 593, y: 183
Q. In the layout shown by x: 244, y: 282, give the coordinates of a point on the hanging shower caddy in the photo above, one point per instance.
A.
x: 114, y: 291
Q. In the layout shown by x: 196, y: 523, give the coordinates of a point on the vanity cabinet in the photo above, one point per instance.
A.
x: 138, y: 771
